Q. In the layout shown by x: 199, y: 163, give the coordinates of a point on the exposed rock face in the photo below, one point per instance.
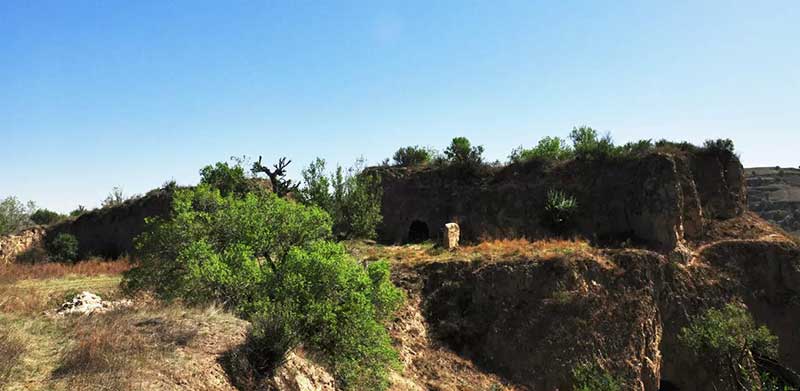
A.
x: 12, y: 246
x: 659, y: 199
x: 774, y: 193
x: 450, y: 236
x: 531, y: 322
x: 299, y: 374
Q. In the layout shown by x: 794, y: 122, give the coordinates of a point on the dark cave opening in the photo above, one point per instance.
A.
x: 418, y: 232
x: 666, y: 385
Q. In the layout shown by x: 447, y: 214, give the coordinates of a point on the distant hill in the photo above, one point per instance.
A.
x: 774, y: 193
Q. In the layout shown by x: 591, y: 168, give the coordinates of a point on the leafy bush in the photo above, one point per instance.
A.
x: 317, y: 186
x: 46, y: 217
x: 14, y: 215
x: 724, y: 337
x: 229, y: 179
x: 63, y: 248
x: 413, y: 156
x: 636, y: 148
x: 548, y: 148
x: 268, y: 259
x: 559, y: 210
x: 462, y: 153
x: 719, y: 145
x: 588, y: 145
x: 590, y: 377
x: 352, y: 198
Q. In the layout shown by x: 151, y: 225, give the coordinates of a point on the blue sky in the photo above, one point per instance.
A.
x: 101, y: 94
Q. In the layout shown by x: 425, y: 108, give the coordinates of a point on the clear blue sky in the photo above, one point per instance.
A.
x: 96, y: 94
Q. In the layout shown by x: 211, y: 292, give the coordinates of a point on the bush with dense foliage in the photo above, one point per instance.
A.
x: 719, y: 145
x: 590, y: 377
x: 726, y: 337
x: 269, y: 259
x: 548, y: 148
x: 559, y: 210
x: 46, y: 217
x: 351, y: 197
x: 63, y: 248
x: 413, y: 156
x: 589, y: 145
x: 229, y: 179
x: 462, y: 153
x: 14, y: 215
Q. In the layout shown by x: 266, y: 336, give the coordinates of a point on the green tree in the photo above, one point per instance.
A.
x: 46, y: 217
x: 63, y: 248
x: 588, y: 145
x: 412, y: 156
x: 352, y: 197
x: 229, y: 179
x: 726, y: 337
x: 462, y: 153
x: 317, y: 187
x: 268, y: 258
x: 548, y: 148
x: 14, y: 215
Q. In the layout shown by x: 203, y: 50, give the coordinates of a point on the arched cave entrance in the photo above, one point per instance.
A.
x: 418, y: 232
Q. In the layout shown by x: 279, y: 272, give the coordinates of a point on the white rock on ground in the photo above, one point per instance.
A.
x: 87, y: 303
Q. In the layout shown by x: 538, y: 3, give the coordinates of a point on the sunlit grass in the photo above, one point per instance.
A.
x: 490, y: 251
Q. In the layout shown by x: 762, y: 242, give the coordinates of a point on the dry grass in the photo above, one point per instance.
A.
x: 489, y: 251
x: 11, y: 350
x: 13, y: 272
x: 35, y: 296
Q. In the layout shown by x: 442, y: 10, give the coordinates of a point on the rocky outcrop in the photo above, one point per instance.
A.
x: 658, y: 200
x: 774, y: 193
x: 13, y: 246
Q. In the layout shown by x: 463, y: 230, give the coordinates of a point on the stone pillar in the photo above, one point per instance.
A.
x: 450, y: 236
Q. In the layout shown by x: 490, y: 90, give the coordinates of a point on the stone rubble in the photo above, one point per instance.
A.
x: 86, y: 303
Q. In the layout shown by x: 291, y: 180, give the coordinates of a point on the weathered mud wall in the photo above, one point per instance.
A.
x: 109, y: 232
x: 532, y: 322
x: 658, y: 199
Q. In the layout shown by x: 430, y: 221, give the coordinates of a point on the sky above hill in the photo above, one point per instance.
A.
x: 133, y: 93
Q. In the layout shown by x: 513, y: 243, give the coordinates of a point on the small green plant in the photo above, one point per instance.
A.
x: 560, y: 210
x: 63, y: 248
x: 412, y: 156
x: 591, y: 377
